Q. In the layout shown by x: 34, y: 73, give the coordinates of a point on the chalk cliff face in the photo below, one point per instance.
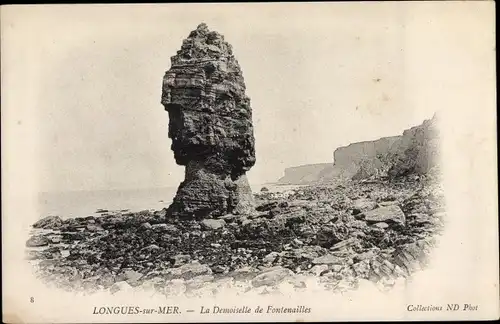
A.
x: 305, y: 174
x: 419, y: 150
x: 210, y: 124
x: 358, y: 159
x: 415, y: 151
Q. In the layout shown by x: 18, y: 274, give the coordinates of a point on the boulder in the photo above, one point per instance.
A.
x: 213, y: 224
x: 49, y: 222
x: 94, y: 228
x: 37, y: 240
x: 270, y: 257
x: 331, y: 234
x: 219, y: 269
x: 268, y: 206
x: 165, y: 228
x: 271, y: 277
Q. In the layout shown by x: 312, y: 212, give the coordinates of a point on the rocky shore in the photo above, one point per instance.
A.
x: 328, y: 237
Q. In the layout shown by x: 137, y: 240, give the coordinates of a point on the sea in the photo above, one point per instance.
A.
x: 83, y: 203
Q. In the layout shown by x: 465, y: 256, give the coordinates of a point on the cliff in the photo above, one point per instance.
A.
x: 306, y: 174
x: 358, y: 159
x: 415, y: 151
x: 420, y: 149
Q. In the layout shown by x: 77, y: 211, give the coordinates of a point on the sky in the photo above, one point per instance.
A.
x: 319, y: 77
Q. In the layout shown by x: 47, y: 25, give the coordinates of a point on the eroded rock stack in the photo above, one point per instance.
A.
x: 210, y: 124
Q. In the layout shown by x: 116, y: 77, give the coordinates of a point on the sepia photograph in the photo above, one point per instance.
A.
x: 249, y: 162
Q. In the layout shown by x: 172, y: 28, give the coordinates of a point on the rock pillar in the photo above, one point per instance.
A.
x: 210, y: 124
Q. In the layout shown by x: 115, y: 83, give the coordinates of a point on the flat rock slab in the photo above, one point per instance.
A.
x: 343, y: 245
x: 327, y: 259
x: 381, y: 225
x: 167, y: 228
x: 384, y: 214
x: 243, y: 274
x: 387, y: 203
x: 191, y: 270
x: 362, y: 204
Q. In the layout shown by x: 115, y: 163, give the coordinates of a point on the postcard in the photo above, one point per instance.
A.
x: 249, y: 162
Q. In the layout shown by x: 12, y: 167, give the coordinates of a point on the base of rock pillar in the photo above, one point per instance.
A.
x: 204, y: 194
x: 245, y: 201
